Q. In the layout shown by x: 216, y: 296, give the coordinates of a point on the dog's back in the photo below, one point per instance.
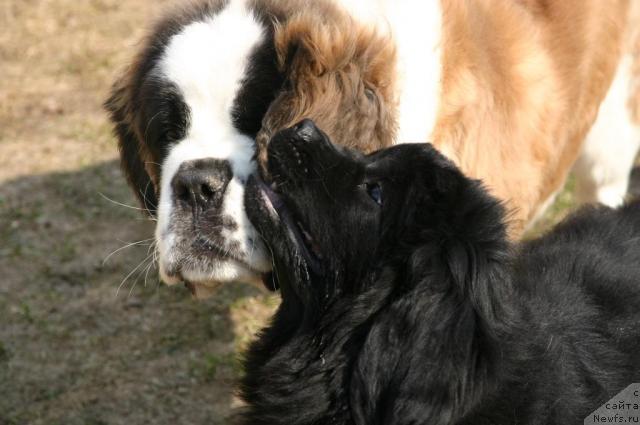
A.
x: 580, y: 339
x: 594, y: 255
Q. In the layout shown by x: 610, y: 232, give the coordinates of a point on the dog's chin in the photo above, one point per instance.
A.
x: 280, y: 230
x: 204, y: 283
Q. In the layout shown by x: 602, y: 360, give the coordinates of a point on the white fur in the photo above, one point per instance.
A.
x: 603, y: 168
x: 417, y: 30
x: 416, y: 27
x: 207, y: 61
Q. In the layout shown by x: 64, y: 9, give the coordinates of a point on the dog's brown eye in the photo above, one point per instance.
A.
x: 375, y: 192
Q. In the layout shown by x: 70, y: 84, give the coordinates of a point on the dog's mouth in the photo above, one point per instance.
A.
x: 199, y: 291
x: 199, y: 276
x: 298, y: 233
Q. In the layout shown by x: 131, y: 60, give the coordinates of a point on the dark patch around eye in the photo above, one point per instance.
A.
x: 165, y: 117
x: 258, y: 88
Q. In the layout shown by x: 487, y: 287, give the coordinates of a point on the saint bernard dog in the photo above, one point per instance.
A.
x: 514, y: 92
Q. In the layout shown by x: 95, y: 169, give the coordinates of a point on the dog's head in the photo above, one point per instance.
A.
x: 333, y: 217
x: 340, y: 74
x: 398, y: 253
x: 189, y: 110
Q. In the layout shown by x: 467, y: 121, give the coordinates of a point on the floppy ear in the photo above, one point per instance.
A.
x: 120, y: 108
x: 417, y: 361
x: 428, y: 356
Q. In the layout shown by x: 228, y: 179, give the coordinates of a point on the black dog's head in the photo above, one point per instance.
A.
x: 334, y: 218
x: 394, y: 279
x: 395, y: 262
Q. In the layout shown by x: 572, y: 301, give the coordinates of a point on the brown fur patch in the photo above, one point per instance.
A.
x: 340, y: 74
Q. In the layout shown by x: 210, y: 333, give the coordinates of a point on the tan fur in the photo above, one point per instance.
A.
x: 522, y: 83
x: 633, y: 47
x: 329, y: 60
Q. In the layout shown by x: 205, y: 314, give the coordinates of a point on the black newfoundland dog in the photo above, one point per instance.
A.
x: 403, y: 302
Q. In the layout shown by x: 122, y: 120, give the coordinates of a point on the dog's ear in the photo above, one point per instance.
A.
x: 462, y: 235
x: 429, y: 355
x: 421, y: 361
x: 121, y: 113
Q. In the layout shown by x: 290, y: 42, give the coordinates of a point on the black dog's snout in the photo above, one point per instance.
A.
x: 298, y: 153
x: 202, y: 183
x: 307, y: 131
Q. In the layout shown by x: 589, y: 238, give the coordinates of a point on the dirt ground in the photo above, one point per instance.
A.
x: 87, y: 333
x: 74, y: 349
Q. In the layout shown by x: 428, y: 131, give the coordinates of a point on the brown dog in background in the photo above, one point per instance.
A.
x: 509, y: 90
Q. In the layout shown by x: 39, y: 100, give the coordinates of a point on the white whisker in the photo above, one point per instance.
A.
x: 128, y: 245
x: 130, y: 273
x: 120, y: 203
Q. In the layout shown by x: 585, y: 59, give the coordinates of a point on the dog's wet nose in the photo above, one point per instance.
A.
x: 201, y: 183
x: 307, y: 130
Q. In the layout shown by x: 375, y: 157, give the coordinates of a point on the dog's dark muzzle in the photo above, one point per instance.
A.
x: 298, y: 153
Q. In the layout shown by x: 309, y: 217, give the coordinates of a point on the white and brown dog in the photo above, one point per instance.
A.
x: 510, y: 90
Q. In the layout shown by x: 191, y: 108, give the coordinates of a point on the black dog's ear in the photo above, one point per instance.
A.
x: 429, y: 355
x: 120, y: 109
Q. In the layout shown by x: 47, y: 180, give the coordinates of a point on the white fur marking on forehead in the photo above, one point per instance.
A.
x: 207, y: 61
x: 208, y: 58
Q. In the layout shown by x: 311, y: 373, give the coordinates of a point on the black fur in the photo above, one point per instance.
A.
x: 418, y: 310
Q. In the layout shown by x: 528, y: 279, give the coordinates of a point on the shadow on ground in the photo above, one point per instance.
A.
x: 74, y: 349
x: 71, y: 351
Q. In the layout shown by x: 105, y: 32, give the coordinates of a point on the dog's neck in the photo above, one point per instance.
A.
x: 323, y: 364
x: 305, y: 360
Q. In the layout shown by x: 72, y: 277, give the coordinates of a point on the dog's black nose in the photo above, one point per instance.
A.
x: 307, y: 131
x: 202, y: 183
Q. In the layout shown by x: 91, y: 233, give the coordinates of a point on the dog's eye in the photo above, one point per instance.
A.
x: 371, y: 95
x: 375, y: 192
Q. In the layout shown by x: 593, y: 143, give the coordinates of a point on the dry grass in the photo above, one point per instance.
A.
x: 71, y: 350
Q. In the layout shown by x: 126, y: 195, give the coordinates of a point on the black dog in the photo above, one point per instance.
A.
x: 403, y: 302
